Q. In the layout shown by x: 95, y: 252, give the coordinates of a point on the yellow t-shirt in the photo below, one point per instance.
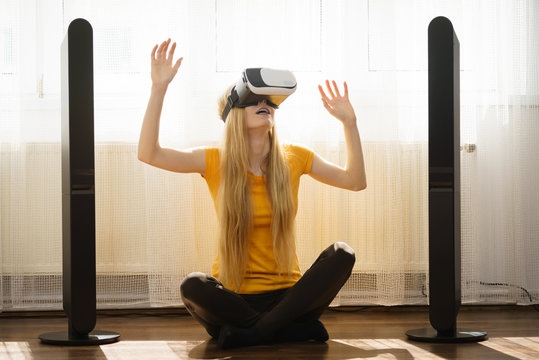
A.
x: 262, y: 274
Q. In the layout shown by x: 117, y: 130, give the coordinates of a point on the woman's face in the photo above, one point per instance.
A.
x: 259, y: 116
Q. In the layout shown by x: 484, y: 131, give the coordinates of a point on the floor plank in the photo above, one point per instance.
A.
x: 513, y: 333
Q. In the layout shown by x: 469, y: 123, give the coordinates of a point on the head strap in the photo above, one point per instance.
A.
x: 230, y: 102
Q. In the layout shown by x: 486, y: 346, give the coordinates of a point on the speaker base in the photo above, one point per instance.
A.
x: 431, y: 335
x: 93, y: 338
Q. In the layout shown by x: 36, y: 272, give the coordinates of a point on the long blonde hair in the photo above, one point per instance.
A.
x: 236, y: 208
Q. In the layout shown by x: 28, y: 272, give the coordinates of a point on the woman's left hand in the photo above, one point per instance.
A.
x: 338, y: 105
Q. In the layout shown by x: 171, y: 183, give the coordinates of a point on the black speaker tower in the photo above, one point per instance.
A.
x: 444, y: 189
x: 78, y: 192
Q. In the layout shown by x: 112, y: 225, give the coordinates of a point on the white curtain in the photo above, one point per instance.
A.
x: 154, y: 227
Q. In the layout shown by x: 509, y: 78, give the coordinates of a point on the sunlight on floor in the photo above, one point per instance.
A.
x: 389, y: 349
x: 517, y: 347
x: 167, y: 350
x: 526, y: 348
x: 15, y: 350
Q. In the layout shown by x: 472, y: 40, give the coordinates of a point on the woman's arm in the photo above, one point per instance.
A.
x: 352, y: 177
x: 149, y: 150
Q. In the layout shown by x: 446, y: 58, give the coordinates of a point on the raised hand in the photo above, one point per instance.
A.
x: 338, y: 105
x: 162, y: 69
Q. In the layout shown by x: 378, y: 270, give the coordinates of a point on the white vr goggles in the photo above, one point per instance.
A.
x: 259, y: 84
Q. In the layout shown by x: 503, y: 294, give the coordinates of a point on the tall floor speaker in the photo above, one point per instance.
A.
x: 78, y: 192
x: 444, y: 188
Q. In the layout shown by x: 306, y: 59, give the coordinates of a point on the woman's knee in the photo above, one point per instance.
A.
x: 345, y: 253
x: 192, y: 284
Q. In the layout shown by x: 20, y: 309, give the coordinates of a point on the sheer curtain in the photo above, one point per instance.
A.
x: 154, y: 227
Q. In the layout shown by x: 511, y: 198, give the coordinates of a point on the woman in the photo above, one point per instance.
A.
x: 261, y: 295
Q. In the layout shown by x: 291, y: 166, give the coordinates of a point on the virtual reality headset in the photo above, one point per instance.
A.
x: 259, y: 84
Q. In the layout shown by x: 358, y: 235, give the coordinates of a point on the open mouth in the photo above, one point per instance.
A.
x: 262, y: 111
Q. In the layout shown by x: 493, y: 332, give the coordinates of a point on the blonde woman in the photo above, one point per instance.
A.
x: 256, y: 293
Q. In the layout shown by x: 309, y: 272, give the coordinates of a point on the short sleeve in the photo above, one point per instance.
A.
x: 300, y: 158
x: 212, y: 172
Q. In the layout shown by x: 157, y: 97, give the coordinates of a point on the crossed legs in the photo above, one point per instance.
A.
x: 216, y: 307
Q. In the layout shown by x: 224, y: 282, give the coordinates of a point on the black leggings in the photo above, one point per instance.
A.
x: 214, y: 306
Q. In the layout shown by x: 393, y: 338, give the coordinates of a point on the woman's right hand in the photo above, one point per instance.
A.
x: 162, y: 69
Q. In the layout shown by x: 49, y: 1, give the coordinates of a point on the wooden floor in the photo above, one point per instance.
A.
x: 513, y: 333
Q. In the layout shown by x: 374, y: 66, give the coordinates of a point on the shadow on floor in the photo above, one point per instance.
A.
x: 289, y: 351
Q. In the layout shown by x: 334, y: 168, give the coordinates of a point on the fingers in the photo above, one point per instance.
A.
x: 336, y: 88
x: 178, y: 63
x: 326, y: 105
x: 153, y: 52
x: 171, y: 53
x: 333, y: 91
x: 162, y: 51
x: 325, y: 99
x: 329, y: 88
x: 322, y: 93
x: 159, y: 52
